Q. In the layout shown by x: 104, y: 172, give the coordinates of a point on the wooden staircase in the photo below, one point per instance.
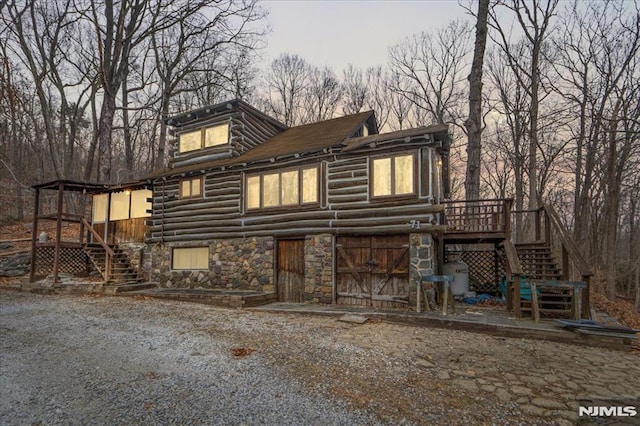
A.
x: 121, y: 270
x: 553, y: 298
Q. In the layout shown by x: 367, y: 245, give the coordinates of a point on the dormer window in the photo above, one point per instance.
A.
x: 204, y: 138
x: 365, y: 130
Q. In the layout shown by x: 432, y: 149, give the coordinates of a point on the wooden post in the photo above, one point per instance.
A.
x: 586, y: 304
x: 547, y: 228
x: 538, y: 225
x: 56, y: 258
x: 507, y: 219
x: 81, y: 232
x: 105, y: 237
x: 535, y: 308
x: 34, y: 234
x: 516, y: 296
x: 577, y: 303
x: 565, y: 263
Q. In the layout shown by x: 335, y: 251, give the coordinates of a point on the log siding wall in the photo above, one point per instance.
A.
x: 345, y: 209
x: 246, y: 131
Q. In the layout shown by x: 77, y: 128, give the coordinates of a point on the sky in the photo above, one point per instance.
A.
x: 336, y: 33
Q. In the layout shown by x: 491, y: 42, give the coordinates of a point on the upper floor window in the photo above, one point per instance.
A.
x: 292, y: 187
x: 191, y: 188
x: 204, y: 138
x: 393, y: 175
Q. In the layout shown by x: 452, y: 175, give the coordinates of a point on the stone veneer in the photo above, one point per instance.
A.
x: 421, y: 263
x: 318, y: 268
x: 241, y: 263
x: 136, y: 253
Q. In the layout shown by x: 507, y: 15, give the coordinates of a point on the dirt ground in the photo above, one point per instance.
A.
x: 314, y: 370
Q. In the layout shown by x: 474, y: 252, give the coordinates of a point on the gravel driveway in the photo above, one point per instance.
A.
x: 107, y: 360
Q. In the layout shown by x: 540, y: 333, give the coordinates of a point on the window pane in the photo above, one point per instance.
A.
x: 271, y: 190
x: 382, y: 176
x: 191, y: 258
x: 190, y: 141
x: 119, y: 205
x: 404, y: 174
x: 195, y: 187
x: 99, y: 208
x: 290, y: 188
x: 200, y: 258
x: 139, y: 204
x: 253, y: 192
x: 310, y: 185
x: 185, y: 188
x: 217, y: 135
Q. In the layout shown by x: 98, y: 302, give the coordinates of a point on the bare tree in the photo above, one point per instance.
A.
x: 41, y: 36
x: 534, y: 18
x: 473, y: 123
x: 434, y: 68
x: 323, y: 95
x: 287, y: 81
x: 356, y: 90
x: 207, y: 50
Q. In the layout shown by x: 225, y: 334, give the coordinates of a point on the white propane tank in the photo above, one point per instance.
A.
x: 460, y: 272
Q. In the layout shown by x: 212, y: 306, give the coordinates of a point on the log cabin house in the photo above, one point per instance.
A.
x: 329, y: 212
x: 247, y: 203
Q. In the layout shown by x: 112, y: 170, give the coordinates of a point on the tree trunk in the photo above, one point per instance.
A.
x: 611, y: 203
x: 105, y: 136
x: 128, y: 144
x: 474, y: 122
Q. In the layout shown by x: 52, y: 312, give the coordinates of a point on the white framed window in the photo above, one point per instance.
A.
x: 203, y: 138
x: 290, y: 187
x: 393, y: 175
x: 99, y: 208
x: 191, y: 188
x: 190, y: 258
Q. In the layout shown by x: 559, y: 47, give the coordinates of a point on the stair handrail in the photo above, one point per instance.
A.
x: 514, y: 273
x: 109, y: 252
x: 567, y: 241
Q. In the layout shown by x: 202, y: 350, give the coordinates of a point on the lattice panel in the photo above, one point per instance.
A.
x: 72, y: 260
x: 486, y: 268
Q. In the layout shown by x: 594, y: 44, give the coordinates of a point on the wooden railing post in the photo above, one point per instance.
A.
x: 507, y: 218
x: 538, y: 225
x: 547, y: 227
x: 565, y: 264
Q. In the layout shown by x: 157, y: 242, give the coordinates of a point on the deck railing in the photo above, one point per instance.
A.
x: 478, y: 216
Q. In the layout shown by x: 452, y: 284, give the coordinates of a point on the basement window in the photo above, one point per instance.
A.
x: 393, y: 176
x: 204, y: 138
x: 189, y: 258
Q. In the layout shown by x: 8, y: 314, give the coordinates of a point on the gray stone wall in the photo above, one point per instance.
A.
x: 136, y: 252
x: 422, y: 261
x: 240, y: 263
x: 318, y: 268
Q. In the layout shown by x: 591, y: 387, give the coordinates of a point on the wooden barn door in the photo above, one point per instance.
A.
x: 373, y: 271
x: 290, y: 271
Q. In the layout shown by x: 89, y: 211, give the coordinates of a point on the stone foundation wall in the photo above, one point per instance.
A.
x: 318, y: 268
x: 241, y: 263
x: 422, y: 261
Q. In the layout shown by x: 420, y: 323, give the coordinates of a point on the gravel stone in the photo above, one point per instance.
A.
x: 85, y: 360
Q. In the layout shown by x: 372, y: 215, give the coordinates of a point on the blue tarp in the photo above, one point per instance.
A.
x: 525, y: 289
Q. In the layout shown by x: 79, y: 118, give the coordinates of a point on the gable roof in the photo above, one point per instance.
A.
x: 301, y: 139
x: 439, y: 132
